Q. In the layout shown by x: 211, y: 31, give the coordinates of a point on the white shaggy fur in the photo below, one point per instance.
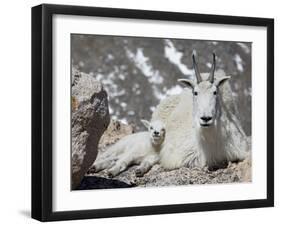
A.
x: 139, y: 148
x: 189, y: 144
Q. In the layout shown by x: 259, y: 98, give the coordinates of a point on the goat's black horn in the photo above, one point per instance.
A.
x: 212, y: 74
x: 195, y: 66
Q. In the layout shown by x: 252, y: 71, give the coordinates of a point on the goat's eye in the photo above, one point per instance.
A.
x: 215, y: 92
x: 195, y: 93
x: 151, y: 127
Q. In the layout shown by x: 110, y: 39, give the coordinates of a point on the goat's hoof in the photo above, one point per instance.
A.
x: 93, y: 169
x: 139, y: 173
x: 110, y: 174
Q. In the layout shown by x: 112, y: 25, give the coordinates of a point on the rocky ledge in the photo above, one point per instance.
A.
x: 158, y: 176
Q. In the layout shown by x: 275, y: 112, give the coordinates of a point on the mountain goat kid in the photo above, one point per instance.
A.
x: 140, y: 148
x: 201, y: 127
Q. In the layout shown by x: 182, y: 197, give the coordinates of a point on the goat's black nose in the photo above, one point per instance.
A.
x: 156, y: 132
x: 206, y: 119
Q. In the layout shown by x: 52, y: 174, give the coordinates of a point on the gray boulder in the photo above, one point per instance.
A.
x: 90, y: 118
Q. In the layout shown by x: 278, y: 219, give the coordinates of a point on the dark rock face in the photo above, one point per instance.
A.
x: 138, y: 72
x: 93, y: 182
x: 90, y: 118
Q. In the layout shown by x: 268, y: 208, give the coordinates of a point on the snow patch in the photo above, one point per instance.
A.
x: 109, y: 57
x: 124, y: 121
x: 248, y: 92
x: 174, y: 90
x: 123, y: 105
x: 152, y: 108
x: 239, y: 62
x: 110, y: 110
x: 109, y: 84
x: 121, y: 76
x: 244, y: 47
x: 143, y: 63
x: 131, y: 113
x: 174, y: 56
x: 81, y: 64
x: 159, y: 95
x: 136, y: 89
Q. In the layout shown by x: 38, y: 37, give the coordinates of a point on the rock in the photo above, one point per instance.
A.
x: 90, y: 118
x: 114, y: 132
x: 244, y: 170
x: 101, y: 183
x: 157, y: 176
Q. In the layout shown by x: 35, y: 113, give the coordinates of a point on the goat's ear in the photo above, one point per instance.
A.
x: 219, y: 81
x: 145, y: 123
x: 186, y: 82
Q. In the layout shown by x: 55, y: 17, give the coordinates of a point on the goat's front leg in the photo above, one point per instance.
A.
x: 120, y: 166
x: 146, y: 165
x: 102, y: 164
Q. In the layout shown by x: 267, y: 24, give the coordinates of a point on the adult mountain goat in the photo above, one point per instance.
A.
x: 201, y: 129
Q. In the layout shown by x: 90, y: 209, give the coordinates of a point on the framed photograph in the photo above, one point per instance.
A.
x: 146, y: 112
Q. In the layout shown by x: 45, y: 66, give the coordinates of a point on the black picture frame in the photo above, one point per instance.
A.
x: 42, y: 111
